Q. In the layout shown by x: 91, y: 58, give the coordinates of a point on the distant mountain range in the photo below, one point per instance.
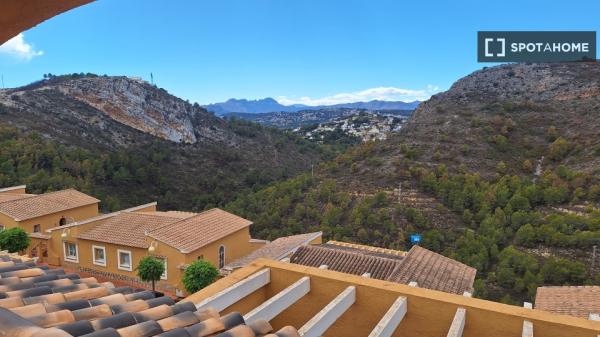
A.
x: 270, y: 105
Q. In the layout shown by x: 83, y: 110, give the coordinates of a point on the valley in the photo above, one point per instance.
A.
x: 500, y: 172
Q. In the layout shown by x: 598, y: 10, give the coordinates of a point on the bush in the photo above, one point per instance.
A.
x: 150, y: 269
x: 14, y: 239
x: 199, y: 275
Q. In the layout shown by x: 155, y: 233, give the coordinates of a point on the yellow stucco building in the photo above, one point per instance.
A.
x: 111, y: 245
x: 37, y: 213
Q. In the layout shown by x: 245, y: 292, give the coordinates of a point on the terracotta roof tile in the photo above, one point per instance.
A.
x: 434, y: 271
x: 276, y: 249
x: 43, y: 204
x: 128, y: 229
x: 345, y: 260
x: 199, y: 230
x: 579, y: 301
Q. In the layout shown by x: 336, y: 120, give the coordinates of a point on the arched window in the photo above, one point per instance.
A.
x: 221, y: 256
x: 62, y: 222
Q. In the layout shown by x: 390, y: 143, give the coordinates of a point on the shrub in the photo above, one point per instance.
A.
x: 150, y: 269
x: 14, y: 239
x: 198, y: 275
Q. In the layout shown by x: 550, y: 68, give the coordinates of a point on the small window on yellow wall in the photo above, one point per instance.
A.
x: 99, y: 255
x: 36, y: 228
x: 221, y: 257
x: 125, y: 260
x: 70, y: 251
x: 200, y: 257
x: 1, y: 227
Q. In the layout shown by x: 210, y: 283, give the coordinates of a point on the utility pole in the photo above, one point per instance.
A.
x: 593, y: 258
x: 312, y: 172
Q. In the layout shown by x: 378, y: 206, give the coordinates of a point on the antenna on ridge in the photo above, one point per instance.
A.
x: 2, y: 81
x: 151, y: 78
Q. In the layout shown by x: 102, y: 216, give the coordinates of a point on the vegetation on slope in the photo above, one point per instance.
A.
x: 511, y: 228
x: 128, y: 176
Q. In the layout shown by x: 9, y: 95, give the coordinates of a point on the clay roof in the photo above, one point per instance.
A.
x: 434, y: 271
x: 127, y: 229
x: 199, y: 230
x: 38, y: 301
x: 276, y: 250
x: 43, y: 204
x: 345, y: 260
x: 429, y: 269
x: 579, y: 301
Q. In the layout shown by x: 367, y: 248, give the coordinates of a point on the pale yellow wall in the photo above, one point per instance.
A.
x: 16, y: 190
x: 52, y: 220
x: 236, y: 245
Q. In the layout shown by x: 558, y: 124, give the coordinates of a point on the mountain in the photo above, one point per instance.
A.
x: 270, y: 105
x: 250, y: 106
x: 542, y: 113
x: 146, y: 144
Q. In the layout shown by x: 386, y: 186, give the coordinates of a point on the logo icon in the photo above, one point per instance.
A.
x: 502, y: 42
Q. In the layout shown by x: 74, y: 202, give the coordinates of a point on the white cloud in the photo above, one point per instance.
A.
x: 378, y: 93
x: 19, y: 48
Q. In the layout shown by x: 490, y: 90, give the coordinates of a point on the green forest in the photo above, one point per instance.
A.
x: 511, y: 229
x: 505, y: 221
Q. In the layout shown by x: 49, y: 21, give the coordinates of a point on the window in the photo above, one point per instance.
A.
x: 99, y: 255
x: 164, y: 261
x: 70, y: 250
x: 62, y: 221
x: 36, y: 228
x: 1, y: 227
x: 200, y: 257
x: 124, y: 259
x: 221, y: 257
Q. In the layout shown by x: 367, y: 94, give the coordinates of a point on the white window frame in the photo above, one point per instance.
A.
x: 119, y: 251
x: 165, y: 274
x: 94, y: 259
x: 69, y: 258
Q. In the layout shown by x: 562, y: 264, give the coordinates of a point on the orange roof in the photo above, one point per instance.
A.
x: 434, y: 271
x: 127, y: 229
x: 43, y: 204
x: 199, y: 230
x: 579, y: 301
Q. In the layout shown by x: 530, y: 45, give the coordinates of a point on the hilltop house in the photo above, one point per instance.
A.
x: 37, y: 213
x: 111, y: 245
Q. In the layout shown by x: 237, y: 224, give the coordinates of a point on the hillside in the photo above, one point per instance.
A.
x: 148, y: 145
x: 499, y: 172
x: 546, y: 113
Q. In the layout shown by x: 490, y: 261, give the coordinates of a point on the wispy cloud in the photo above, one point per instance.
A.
x: 19, y: 48
x: 378, y: 93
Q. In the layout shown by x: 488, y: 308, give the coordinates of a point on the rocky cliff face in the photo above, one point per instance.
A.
x: 132, y: 102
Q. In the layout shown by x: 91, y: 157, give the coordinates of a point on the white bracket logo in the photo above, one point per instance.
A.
x: 487, y: 50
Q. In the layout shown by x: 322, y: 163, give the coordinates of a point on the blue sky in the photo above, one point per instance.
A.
x: 297, y: 51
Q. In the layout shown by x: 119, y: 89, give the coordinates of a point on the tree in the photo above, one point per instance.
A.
x: 14, y: 239
x: 199, y: 275
x: 150, y: 269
